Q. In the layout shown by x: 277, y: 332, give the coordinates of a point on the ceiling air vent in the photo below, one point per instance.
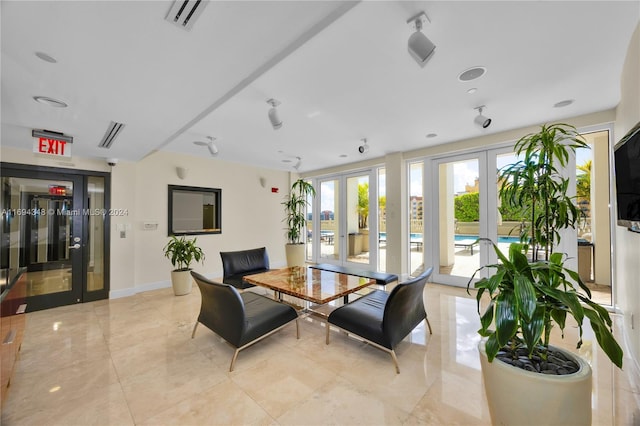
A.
x: 184, y: 13
x: 111, y: 134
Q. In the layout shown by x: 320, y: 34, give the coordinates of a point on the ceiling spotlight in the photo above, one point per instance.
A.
x: 213, y: 149
x: 364, y: 148
x: 50, y: 102
x: 298, y: 163
x: 274, y: 118
x: 563, y: 104
x: 420, y: 47
x: 481, y: 120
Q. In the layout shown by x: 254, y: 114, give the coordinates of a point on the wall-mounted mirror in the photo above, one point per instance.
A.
x: 194, y: 210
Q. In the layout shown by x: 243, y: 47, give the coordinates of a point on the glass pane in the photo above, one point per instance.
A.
x: 416, y: 220
x: 309, y: 239
x: 358, y: 219
x: 95, y: 238
x: 509, y: 220
x: 39, y: 213
x: 329, y: 219
x: 459, y: 218
x: 382, y: 220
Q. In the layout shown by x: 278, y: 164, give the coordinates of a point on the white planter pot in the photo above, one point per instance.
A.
x: 181, y: 282
x: 520, y: 397
x: 295, y: 254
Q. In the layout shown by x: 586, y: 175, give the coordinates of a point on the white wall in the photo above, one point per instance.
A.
x: 627, y: 244
x: 251, y: 215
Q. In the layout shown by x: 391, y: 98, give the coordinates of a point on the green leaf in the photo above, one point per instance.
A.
x: 525, y: 296
x: 532, y: 330
x: 492, y: 347
x: 605, y: 338
x: 506, y: 317
x: 487, y: 318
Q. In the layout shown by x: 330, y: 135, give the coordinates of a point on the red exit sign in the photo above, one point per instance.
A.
x: 57, y: 190
x: 51, y: 146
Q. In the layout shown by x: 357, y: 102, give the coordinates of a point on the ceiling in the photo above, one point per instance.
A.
x: 341, y: 71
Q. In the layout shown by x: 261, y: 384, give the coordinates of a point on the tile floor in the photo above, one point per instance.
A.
x: 132, y: 361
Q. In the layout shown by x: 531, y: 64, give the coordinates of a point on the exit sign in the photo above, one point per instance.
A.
x: 52, y: 143
x: 56, y: 147
x: 57, y: 190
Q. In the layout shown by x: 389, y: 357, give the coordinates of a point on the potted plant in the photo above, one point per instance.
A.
x: 181, y: 252
x: 295, y: 206
x: 531, y: 291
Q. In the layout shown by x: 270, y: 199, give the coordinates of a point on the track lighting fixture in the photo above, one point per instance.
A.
x: 481, y: 120
x: 420, y: 47
x: 364, y: 148
x: 213, y: 149
x: 274, y: 118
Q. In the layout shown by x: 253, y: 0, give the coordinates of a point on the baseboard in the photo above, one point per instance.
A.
x: 126, y: 292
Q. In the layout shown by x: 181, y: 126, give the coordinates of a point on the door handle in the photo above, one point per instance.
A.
x: 75, y: 246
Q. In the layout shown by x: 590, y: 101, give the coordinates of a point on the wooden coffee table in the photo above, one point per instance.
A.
x: 311, y: 285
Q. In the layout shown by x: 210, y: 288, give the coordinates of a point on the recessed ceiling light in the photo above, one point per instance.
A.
x: 46, y: 57
x: 432, y: 135
x: 472, y: 73
x: 343, y: 155
x: 50, y: 101
x: 472, y: 90
x: 286, y: 160
x: 564, y: 103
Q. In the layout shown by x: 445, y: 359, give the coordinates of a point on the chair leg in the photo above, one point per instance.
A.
x: 327, y: 339
x: 193, y: 334
x: 297, y: 329
x: 233, y: 360
x: 429, y: 325
x: 395, y: 361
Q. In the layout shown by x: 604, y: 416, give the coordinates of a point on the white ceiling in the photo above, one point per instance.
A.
x: 340, y: 69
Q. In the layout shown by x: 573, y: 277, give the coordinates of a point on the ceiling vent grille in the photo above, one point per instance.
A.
x: 111, y: 134
x: 184, y: 13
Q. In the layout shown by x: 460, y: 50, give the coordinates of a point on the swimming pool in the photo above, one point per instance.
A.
x: 507, y: 240
x: 418, y: 237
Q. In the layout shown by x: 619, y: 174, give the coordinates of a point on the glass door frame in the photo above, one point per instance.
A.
x: 432, y: 189
x: 79, y: 292
x: 342, y: 232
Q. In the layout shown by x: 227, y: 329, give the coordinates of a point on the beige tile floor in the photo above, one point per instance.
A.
x: 132, y: 361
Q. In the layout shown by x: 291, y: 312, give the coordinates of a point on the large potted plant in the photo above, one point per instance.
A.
x: 530, y: 291
x: 295, y: 206
x: 181, y: 252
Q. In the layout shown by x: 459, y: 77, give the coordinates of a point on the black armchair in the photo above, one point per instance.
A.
x: 241, y: 319
x: 384, y: 319
x: 237, y: 264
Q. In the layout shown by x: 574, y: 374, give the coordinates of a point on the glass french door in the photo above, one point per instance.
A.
x: 458, y: 217
x: 53, y: 225
x: 346, y: 233
x: 466, y: 216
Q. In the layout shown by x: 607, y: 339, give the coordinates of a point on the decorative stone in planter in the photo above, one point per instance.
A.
x: 520, y: 397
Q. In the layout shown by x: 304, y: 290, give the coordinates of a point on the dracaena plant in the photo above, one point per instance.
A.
x: 295, y: 206
x: 181, y: 252
x: 527, y: 298
x: 532, y: 290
